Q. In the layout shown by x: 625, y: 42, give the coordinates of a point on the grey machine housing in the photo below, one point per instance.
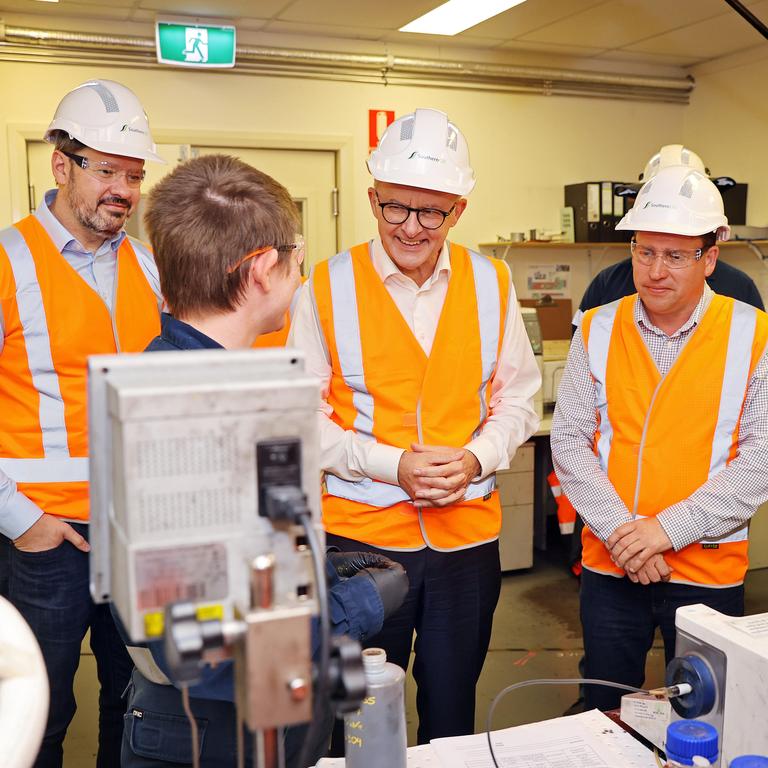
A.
x: 174, y: 479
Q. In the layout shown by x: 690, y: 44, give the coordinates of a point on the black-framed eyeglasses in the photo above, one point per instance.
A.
x: 429, y: 218
x: 674, y: 259
x: 105, y: 171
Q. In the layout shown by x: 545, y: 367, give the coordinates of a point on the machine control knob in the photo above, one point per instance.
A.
x: 697, y: 673
x: 186, y: 638
x: 299, y: 689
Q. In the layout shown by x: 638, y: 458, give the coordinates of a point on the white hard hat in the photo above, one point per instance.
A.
x: 425, y: 150
x: 678, y: 201
x: 105, y: 116
x: 673, y: 154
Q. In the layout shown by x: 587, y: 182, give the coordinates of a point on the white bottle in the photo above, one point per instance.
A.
x: 375, y: 736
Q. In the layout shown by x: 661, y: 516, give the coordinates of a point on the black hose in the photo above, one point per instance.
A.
x: 321, y: 694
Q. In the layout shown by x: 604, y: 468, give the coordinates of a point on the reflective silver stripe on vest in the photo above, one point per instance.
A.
x: 597, y: 354
x: 488, y: 316
x: 736, y: 377
x: 46, y: 470
x: 378, y: 494
x: 37, y: 343
x: 366, y: 491
x: 345, y: 317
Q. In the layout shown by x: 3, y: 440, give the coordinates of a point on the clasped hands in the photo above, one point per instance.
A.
x: 637, y: 547
x: 436, y: 475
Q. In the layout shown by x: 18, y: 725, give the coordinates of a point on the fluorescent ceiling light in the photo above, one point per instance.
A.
x: 457, y: 15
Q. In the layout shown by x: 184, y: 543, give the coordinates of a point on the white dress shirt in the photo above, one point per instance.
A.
x: 511, y: 420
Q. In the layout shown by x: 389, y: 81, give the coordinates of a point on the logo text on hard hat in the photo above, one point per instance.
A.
x: 128, y: 128
x: 421, y: 156
x: 651, y: 204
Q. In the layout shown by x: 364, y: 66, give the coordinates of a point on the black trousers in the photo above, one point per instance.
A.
x: 450, y: 605
x: 50, y: 590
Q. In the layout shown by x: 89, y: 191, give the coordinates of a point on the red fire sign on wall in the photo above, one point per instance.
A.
x: 378, y: 120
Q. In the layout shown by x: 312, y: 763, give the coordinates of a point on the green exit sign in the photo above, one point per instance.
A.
x: 193, y: 44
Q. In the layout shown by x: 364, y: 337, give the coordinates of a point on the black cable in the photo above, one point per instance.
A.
x: 321, y: 694
x: 749, y: 16
x: 547, y: 681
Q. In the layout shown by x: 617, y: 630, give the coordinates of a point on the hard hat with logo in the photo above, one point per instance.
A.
x: 678, y: 201
x: 105, y: 116
x: 673, y: 154
x: 424, y: 149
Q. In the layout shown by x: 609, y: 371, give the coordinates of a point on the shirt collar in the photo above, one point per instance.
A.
x: 387, y: 269
x: 183, y: 335
x: 641, y: 316
x: 59, y: 234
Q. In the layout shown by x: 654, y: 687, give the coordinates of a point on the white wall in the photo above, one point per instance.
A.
x: 524, y: 148
x: 727, y: 124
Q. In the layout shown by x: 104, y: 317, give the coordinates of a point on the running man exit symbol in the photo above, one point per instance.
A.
x: 197, y: 45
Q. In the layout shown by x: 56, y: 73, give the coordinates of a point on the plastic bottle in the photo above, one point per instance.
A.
x: 749, y: 761
x: 375, y: 736
x: 691, y: 742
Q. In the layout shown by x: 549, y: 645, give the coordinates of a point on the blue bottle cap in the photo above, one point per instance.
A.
x: 749, y: 761
x: 686, y: 738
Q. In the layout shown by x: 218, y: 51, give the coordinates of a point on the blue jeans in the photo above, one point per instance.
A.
x: 450, y: 605
x: 50, y: 590
x: 157, y: 733
x: 619, y: 619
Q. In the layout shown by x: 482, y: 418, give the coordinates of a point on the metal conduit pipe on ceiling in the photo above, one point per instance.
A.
x: 22, y: 43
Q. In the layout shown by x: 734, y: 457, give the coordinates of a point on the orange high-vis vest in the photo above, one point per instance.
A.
x: 566, y: 512
x: 660, y: 438
x: 279, y: 338
x: 385, y: 388
x: 53, y: 321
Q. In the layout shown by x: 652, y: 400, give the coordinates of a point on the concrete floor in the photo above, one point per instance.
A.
x: 536, y: 634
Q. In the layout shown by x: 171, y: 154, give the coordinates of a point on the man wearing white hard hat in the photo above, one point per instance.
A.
x: 659, y: 435
x: 428, y: 390
x: 72, y: 284
x: 615, y: 281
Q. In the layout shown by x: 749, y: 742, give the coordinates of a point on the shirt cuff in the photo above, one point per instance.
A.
x: 678, y: 525
x: 18, y: 516
x: 382, y: 462
x: 485, y: 452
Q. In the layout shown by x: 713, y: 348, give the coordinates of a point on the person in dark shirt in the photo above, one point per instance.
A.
x: 229, y: 261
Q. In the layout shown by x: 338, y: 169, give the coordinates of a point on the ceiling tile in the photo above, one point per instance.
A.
x: 118, y: 10
x: 621, y: 22
x: 704, y: 40
x: 390, y: 15
x: 530, y: 16
x: 442, y: 41
x: 220, y: 9
x: 565, y: 50
x: 323, y: 30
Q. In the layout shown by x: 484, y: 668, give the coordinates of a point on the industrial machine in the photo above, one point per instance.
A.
x: 725, y: 660
x: 719, y: 675
x: 533, y: 329
x: 205, y: 529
